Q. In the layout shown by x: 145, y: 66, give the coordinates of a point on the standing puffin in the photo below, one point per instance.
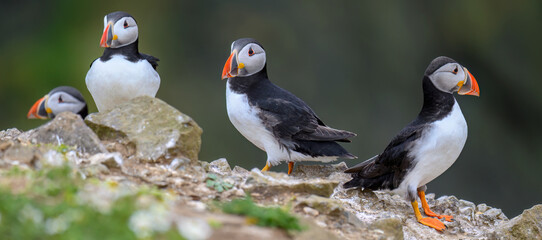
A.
x: 427, y: 146
x: 121, y: 73
x: 272, y: 118
x: 60, y: 99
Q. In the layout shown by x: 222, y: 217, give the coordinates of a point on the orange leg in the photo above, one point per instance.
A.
x: 430, y: 222
x: 290, y: 167
x: 428, y: 211
x: 266, y: 168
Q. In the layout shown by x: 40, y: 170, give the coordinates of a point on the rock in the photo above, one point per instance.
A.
x: 20, y: 154
x: 313, y: 232
x: 240, y: 170
x: 153, y: 128
x: 176, y: 163
x: 9, y: 134
x: 527, y: 225
x: 311, y: 211
x: 391, y: 227
x: 220, y: 166
x: 275, y: 184
x: 69, y: 129
x: 330, y: 207
x: 110, y: 160
x: 321, y: 171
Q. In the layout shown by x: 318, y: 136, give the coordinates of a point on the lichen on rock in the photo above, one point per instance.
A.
x: 155, y: 130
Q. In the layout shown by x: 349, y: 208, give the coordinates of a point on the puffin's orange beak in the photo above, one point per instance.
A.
x: 227, y: 67
x: 38, y: 110
x: 469, y: 86
x: 107, y: 36
x: 231, y: 67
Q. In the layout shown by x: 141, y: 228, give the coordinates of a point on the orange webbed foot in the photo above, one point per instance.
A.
x: 428, y: 211
x: 427, y: 221
x: 448, y: 218
x: 433, y: 222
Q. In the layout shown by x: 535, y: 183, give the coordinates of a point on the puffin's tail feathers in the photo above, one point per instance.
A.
x: 322, y: 149
x: 361, y: 166
x: 366, y: 175
x: 378, y: 183
x: 325, y: 133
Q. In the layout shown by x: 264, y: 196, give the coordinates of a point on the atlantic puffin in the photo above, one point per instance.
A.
x: 273, y: 119
x: 60, y: 99
x: 427, y: 146
x: 121, y: 73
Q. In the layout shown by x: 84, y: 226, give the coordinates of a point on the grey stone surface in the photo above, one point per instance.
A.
x: 69, y: 129
x: 528, y: 225
x: 153, y: 129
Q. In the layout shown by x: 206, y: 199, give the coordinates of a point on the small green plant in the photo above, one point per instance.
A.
x: 213, y: 181
x: 263, y: 216
x: 62, y: 148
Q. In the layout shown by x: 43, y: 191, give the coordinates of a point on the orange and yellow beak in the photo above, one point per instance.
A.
x: 107, y: 36
x: 39, y: 110
x: 231, y: 68
x: 469, y: 86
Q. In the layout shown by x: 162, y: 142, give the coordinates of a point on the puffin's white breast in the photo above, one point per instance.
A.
x: 246, y: 120
x: 119, y: 80
x: 437, y: 149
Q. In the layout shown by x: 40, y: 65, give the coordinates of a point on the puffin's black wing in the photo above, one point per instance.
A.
x: 291, y: 119
x: 386, y: 171
x: 152, y: 60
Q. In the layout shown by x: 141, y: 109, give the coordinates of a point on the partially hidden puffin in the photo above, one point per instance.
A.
x: 121, y: 73
x: 60, y: 99
x: 272, y: 118
x: 427, y: 146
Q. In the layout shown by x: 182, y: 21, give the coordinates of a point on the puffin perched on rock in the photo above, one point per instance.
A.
x: 272, y: 118
x: 60, y: 99
x: 121, y: 73
x: 427, y: 146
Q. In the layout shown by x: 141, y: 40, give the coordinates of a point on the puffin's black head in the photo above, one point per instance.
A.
x: 247, y: 58
x: 449, y: 76
x: 120, y: 29
x: 60, y: 99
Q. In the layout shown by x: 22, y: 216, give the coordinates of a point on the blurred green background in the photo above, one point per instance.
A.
x: 358, y: 64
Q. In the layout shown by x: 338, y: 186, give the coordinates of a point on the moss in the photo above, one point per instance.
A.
x: 262, y: 216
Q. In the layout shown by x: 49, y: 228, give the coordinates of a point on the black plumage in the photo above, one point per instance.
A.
x: 130, y: 53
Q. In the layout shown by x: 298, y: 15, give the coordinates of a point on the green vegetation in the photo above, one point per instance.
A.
x: 213, y: 181
x: 263, y: 216
x: 55, y: 203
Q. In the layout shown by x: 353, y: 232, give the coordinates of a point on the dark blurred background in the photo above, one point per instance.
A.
x: 358, y: 64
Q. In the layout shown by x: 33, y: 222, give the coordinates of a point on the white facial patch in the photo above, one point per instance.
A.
x: 63, y: 102
x: 126, y: 31
x: 252, y: 56
x: 448, y: 76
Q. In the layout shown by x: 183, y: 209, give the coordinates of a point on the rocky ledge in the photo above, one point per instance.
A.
x: 147, y: 144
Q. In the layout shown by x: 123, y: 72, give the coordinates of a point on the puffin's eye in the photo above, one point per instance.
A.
x: 250, y: 52
x: 60, y: 99
x: 455, y: 70
x: 125, y: 24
